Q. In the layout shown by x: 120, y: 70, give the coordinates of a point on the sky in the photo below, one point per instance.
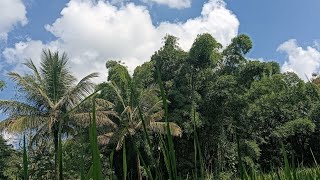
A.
x: 94, y: 31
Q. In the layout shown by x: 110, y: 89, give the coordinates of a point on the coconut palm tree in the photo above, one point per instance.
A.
x: 130, y: 122
x: 49, y: 92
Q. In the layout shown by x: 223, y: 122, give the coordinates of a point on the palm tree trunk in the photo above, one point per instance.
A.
x: 60, y: 153
x: 56, y: 150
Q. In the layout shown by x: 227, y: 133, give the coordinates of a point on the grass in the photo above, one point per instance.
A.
x: 96, y: 162
x: 295, y: 174
x: 288, y: 172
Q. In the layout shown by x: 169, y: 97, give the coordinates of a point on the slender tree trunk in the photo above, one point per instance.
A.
x: 56, y: 150
x: 60, y: 153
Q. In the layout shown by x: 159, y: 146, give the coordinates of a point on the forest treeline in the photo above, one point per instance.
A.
x: 223, y: 112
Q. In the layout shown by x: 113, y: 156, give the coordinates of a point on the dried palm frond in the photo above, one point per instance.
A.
x: 160, y: 127
x: 105, y: 138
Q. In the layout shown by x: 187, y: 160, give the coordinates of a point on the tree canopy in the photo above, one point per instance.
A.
x: 221, y: 112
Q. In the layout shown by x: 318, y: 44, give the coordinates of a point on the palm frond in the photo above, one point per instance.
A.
x: 132, y: 131
x: 139, y: 125
x: 32, y: 89
x: 39, y: 134
x: 160, y: 127
x: 152, y: 89
x: 120, y: 142
x: 103, y: 104
x: 156, y: 107
x: 15, y: 108
x: 102, y: 118
x: 157, y: 116
x: 118, y: 93
x: 79, y: 92
x: 127, y: 110
x: 133, y: 115
x: 56, y: 74
x: 29, y: 63
x: 105, y: 138
x: 22, y: 123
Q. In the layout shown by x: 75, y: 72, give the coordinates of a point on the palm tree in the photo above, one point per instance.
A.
x: 50, y: 92
x: 129, y: 122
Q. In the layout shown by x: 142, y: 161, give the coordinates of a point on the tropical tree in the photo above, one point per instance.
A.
x: 128, y: 98
x: 129, y: 125
x: 130, y: 120
x: 9, y: 160
x: 50, y: 91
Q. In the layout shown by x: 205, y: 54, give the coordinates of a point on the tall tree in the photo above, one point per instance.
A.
x: 277, y: 105
x: 234, y: 53
x: 128, y: 99
x: 50, y: 92
x: 131, y: 122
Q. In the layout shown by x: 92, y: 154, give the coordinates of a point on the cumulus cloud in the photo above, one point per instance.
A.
x: 12, y: 13
x: 94, y: 32
x: 316, y: 44
x: 178, y: 4
x: 31, y: 49
x: 303, y: 61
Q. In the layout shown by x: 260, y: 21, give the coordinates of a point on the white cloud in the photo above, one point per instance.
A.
x: 178, y: 4
x: 316, y: 44
x: 30, y: 49
x: 12, y: 12
x: 92, y: 33
x: 302, y: 61
x: 24, y: 50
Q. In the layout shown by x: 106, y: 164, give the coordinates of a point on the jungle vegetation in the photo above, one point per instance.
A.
x: 209, y: 113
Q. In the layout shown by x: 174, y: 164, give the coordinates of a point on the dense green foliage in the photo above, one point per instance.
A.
x: 9, y: 158
x: 207, y: 113
x: 10, y: 162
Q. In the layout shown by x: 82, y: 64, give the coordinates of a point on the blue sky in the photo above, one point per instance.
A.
x: 270, y: 23
x: 91, y: 32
